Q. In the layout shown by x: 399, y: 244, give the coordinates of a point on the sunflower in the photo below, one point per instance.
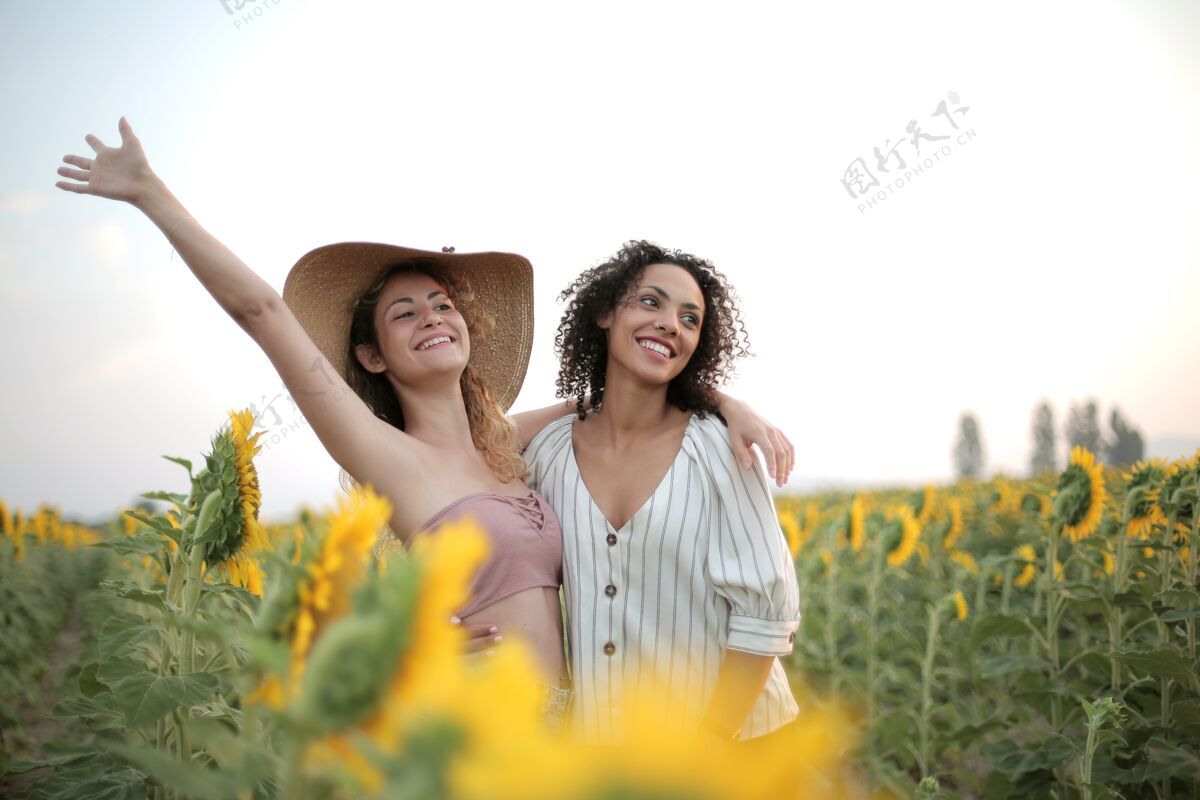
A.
x: 924, y: 505
x: 299, y: 610
x: 966, y: 561
x: 18, y: 536
x: 960, y: 606
x: 812, y: 518
x: 1026, y: 553
x: 1036, y: 504
x: 910, y: 533
x: 446, y: 562
x: 791, y: 530
x: 1081, y: 495
x: 1144, y: 488
x: 235, y: 538
x: 6, y: 522
x: 956, y: 524
x: 858, y: 531
x: 297, y: 543
x: 340, y: 565
x: 1179, y: 489
x: 245, y: 448
x: 1003, y: 496
x: 481, y: 717
x: 41, y: 525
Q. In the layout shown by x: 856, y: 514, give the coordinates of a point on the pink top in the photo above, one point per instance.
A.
x: 526, y: 540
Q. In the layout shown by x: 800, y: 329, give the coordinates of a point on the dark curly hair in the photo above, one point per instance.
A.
x: 583, y: 349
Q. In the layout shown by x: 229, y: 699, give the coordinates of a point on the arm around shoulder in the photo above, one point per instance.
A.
x: 531, y: 423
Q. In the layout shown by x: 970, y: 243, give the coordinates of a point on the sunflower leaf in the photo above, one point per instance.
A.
x: 121, y: 631
x: 1165, y: 760
x: 99, y: 710
x: 177, y: 500
x: 183, y: 462
x: 190, y: 779
x: 136, y: 593
x: 206, y: 524
x: 141, y: 544
x: 159, y: 524
x: 1180, y: 614
x: 990, y: 625
x: 94, y: 776
x: 144, y: 696
x: 1160, y: 663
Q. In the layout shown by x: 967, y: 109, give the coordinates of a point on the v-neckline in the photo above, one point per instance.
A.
x: 654, y: 493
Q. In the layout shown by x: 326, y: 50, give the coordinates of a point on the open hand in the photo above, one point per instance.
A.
x: 118, y: 173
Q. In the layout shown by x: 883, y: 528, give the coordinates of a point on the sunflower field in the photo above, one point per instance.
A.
x: 219, y: 657
x: 1002, y: 639
x: 1011, y: 638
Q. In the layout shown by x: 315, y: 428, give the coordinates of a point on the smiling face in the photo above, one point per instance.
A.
x: 420, y: 332
x: 654, y: 329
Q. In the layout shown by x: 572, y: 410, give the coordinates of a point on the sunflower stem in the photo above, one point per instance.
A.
x: 1191, y: 580
x: 293, y: 778
x: 830, y: 623
x: 1115, y: 618
x: 1165, y: 632
x: 931, y: 637
x: 872, y: 631
x: 1163, y: 629
x: 1051, y: 581
x: 1006, y: 587
x: 195, y: 578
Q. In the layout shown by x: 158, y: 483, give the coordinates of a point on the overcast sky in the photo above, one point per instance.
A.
x: 1048, y: 246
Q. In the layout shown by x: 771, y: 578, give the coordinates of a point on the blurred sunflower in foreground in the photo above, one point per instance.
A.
x: 378, y: 698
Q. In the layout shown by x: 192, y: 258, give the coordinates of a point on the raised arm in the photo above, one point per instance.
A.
x: 356, y: 439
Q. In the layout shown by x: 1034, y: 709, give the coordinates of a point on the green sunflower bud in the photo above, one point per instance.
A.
x: 347, y: 675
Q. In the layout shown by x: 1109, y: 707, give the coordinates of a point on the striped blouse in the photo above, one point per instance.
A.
x: 701, y: 567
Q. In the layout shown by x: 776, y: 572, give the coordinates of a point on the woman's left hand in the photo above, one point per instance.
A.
x: 118, y: 173
x: 747, y: 428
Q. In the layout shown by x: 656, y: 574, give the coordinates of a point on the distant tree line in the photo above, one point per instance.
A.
x: 1122, y: 447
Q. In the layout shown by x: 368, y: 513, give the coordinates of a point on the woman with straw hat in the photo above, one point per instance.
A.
x: 388, y: 353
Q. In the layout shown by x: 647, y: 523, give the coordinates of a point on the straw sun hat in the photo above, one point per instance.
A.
x: 322, y: 287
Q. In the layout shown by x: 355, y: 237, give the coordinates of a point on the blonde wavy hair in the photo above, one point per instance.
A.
x: 492, y: 432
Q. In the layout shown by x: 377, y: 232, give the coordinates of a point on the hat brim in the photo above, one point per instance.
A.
x: 324, y: 284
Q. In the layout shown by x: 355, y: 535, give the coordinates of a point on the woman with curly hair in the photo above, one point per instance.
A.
x: 676, y: 574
